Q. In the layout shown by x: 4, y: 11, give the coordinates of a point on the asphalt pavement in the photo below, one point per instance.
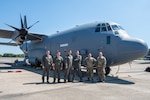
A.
x: 125, y: 82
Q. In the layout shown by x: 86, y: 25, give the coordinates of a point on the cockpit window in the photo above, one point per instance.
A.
x: 108, y: 27
x: 117, y: 27
x: 103, y: 24
x: 103, y: 27
x: 107, y: 24
x: 98, y: 24
x: 97, y: 29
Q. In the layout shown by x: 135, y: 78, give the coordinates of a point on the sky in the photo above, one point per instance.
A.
x: 60, y: 15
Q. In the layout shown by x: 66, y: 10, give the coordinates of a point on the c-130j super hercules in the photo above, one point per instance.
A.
x: 107, y: 37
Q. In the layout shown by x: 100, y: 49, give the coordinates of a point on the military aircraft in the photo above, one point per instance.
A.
x: 108, y: 37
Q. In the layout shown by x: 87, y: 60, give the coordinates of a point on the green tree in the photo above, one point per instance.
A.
x: 12, y: 55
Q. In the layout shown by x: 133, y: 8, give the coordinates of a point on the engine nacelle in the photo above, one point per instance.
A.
x: 19, y: 40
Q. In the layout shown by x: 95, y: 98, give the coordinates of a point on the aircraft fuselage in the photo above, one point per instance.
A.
x: 116, y: 45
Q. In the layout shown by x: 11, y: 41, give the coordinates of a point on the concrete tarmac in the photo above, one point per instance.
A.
x: 24, y: 83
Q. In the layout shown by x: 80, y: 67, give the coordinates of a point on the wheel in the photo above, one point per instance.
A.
x: 107, y: 70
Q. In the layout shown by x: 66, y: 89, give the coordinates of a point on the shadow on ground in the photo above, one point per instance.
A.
x: 109, y: 79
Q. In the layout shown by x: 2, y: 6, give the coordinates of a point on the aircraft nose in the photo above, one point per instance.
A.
x: 133, y: 49
x: 140, y: 48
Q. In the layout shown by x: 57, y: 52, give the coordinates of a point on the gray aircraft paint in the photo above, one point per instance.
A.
x: 116, y: 45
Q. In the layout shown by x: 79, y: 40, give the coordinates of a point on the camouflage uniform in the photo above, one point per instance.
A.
x: 68, y: 68
x: 46, y: 62
x: 77, y: 66
x: 58, y: 63
x: 101, y: 64
x: 89, y: 63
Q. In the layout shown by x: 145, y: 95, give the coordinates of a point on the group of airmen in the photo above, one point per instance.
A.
x: 72, y: 66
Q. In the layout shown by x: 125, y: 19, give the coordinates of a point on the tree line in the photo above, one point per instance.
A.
x: 11, y: 55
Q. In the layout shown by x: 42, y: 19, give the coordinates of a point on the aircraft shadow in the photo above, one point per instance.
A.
x: 109, y: 79
x: 145, y: 63
x: 116, y: 80
x: 6, y: 63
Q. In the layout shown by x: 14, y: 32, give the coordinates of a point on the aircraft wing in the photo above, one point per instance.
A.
x: 9, y: 44
x: 10, y: 35
x: 6, y: 34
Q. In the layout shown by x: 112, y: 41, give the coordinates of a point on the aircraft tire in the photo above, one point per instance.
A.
x: 37, y: 63
x: 107, y: 70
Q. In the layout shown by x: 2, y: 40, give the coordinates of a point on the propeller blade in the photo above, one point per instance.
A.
x: 17, y: 36
x: 32, y: 25
x: 13, y: 27
x: 22, y: 26
x: 14, y: 38
x: 32, y: 37
x: 25, y: 22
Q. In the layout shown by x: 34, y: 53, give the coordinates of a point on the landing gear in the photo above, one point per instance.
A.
x: 34, y: 62
x: 36, y: 65
x: 107, y: 70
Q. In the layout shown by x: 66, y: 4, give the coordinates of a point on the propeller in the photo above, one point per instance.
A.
x: 23, y: 31
x: 23, y: 35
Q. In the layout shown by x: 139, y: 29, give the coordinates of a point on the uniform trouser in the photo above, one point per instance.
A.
x: 46, y: 71
x: 67, y: 73
x: 77, y: 71
x: 90, y: 73
x: 101, y: 73
x: 57, y: 72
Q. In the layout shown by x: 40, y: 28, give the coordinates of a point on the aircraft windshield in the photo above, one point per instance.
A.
x: 117, y: 27
x: 119, y: 31
x: 103, y: 27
